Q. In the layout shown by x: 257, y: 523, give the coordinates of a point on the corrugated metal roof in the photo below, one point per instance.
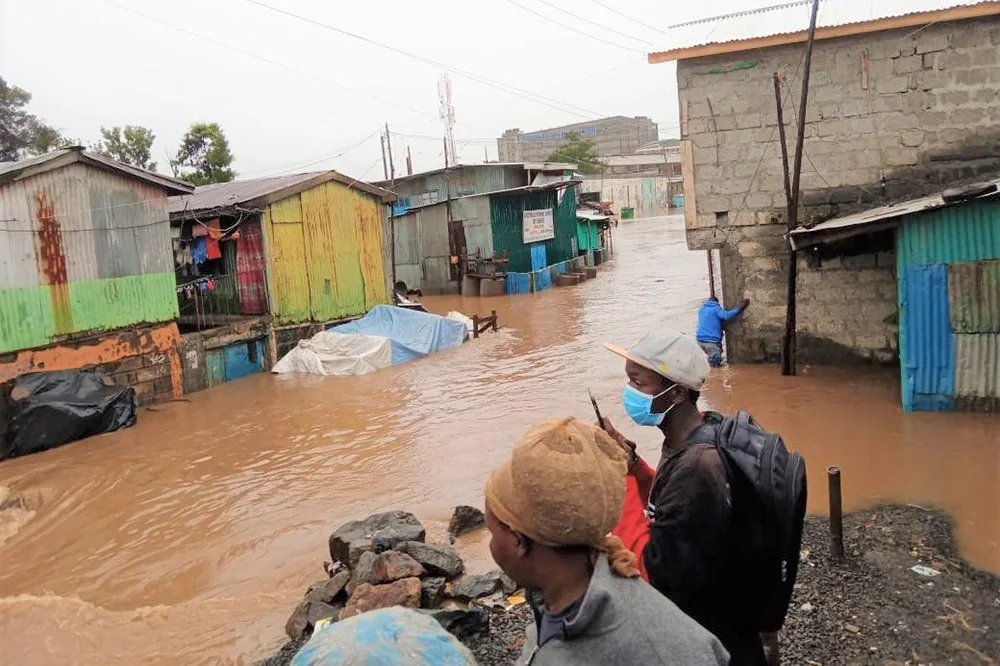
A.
x: 533, y: 166
x: 737, y: 31
x: 868, y: 221
x: 12, y: 171
x: 259, y: 192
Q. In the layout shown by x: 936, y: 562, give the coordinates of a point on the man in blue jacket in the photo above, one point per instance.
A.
x: 709, y: 335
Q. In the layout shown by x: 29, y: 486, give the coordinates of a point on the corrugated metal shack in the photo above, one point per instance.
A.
x: 86, y: 277
x: 462, y: 180
x: 948, y: 286
x: 307, y: 249
x: 437, y: 242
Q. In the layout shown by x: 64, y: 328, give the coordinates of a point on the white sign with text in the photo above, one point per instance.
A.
x: 537, y: 225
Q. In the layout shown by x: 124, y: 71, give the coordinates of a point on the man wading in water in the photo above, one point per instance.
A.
x: 549, y: 510
x: 695, y: 523
x: 711, y: 317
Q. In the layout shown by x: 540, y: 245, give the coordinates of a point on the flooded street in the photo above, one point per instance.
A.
x: 189, y: 538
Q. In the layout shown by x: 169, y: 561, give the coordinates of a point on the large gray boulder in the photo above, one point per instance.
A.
x: 378, y: 532
x: 475, y: 586
x: 437, y: 559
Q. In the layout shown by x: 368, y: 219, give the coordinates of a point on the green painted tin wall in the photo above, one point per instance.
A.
x: 966, y: 232
x: 588, y: 236
x: 506, y: 213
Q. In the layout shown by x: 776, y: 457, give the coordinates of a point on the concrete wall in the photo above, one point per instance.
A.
x: 649, y: 196
x: 194, y: 347
x: 891, y: 116
x: 617, y: 135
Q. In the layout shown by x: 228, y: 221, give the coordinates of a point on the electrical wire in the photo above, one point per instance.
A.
x: 571, y: 28
x: 256, y: 56
x: 634, y: 20
x: 499, y: 85
x: 334, y: 155
x: 594, y: 23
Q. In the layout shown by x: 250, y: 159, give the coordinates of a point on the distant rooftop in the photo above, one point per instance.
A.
x: 788, y: 23
x: 527, y: 166
x: 259, y: 192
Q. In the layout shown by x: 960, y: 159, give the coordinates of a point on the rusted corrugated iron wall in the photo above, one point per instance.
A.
x: 327, y: 255
x: 949, y: 303
x: 82, y: 249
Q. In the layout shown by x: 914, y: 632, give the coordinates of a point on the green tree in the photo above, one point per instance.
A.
x: 582, y: 152
x: 129, y: 145
x: 204, y: 157
x: 23, y: 134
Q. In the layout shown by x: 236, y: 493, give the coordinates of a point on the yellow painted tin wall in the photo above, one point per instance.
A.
x: 326, y: 254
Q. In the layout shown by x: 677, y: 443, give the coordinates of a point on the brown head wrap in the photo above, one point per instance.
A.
x: 564, y: 486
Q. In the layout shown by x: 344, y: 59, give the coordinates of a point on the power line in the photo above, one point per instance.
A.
x: 615, y: 11
x: 594, y: 23
x: 499, y: 85
x: 264, y: 59
x: 329, y: 156
x: 563, y: 25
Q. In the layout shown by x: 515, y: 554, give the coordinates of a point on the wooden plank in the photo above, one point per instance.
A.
x: 684, y: 119
x: 687, y: 172
x: 829, y: 32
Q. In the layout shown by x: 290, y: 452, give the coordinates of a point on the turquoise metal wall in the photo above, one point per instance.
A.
x: 506, y: 212
x: 944, y: 268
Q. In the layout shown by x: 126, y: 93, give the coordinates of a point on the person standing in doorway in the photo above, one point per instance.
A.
x: 711, y: 316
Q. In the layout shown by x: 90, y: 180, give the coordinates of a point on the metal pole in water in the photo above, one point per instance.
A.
x: 836, y: 515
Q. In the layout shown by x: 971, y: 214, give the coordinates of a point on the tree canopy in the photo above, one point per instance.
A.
x: 23, y: 134
x: 203, y: 157
x: 130, y: 145
x: 582, y: 152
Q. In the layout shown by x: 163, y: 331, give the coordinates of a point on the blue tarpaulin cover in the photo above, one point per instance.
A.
x: 413, y: 334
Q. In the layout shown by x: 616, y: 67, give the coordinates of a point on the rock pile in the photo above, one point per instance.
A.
x: 384, y: 561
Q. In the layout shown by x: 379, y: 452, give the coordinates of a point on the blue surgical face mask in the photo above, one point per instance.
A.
x: 639, y: 406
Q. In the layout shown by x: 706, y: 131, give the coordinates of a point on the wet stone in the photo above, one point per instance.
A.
x: 465, y: 519
x: 298, y: 622
x: 319, y: 611
x: 437, y: 560
x: 362, y: 571
x: 508, y: 585
x: 381, y: 531
x: 475, y: 586
x: 327, y: 590
x: 392, y: 566
x: 432, y: 591
x: 462, y: 624
x: 366, y: 597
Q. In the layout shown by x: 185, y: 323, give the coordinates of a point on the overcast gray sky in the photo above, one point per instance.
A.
x: 93, y: 62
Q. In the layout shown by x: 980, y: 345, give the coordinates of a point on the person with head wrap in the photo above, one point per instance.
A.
x: 549, y: 511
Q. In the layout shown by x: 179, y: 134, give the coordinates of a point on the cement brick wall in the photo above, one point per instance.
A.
x: 891, y: 116
x: 148, y: 374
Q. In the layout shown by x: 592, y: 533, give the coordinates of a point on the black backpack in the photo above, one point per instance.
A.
x: 768, y: 485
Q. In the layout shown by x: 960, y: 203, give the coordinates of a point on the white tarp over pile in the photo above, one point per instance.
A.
x: 338, y: 354
x: 454, y: 315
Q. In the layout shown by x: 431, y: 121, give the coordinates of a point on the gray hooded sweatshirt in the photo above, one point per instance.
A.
x: 623, y: 621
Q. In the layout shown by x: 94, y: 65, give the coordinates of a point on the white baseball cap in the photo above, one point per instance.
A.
x: 670, y: 354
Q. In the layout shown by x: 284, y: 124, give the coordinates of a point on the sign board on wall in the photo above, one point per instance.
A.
x: 537, y: 225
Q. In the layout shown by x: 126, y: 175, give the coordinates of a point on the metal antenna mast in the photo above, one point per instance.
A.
x: 448, y: 118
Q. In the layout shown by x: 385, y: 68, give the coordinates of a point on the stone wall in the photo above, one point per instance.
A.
x: 891, y: 116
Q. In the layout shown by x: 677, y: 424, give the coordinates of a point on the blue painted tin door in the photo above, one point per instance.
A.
x: 538, y: 257
x: 215, y: 366
x: 243, y: 358
x: 928, y: 343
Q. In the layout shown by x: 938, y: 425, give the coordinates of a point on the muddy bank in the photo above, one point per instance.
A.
x: 872, y: 609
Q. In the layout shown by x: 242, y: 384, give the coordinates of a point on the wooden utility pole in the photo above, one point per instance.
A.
x: 711, y: 274
x: 409, y: 162
x: 385, y: 165
x: 788, y: 343
x: 444, y: 141
x: 392, y: 169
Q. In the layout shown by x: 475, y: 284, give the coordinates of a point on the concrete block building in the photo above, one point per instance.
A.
x: 904, y: 101
x: 616, y: 135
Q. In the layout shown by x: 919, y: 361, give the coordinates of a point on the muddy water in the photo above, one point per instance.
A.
x: 188, y: 538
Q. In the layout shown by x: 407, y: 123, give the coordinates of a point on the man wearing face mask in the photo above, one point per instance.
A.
x: 679, y: 518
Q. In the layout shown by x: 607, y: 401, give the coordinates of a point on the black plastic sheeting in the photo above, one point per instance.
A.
x: 49, y: 409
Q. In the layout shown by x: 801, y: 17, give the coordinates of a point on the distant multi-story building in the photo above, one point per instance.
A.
x: 616, y: 135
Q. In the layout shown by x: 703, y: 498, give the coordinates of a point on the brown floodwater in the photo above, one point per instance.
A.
x: 189, y: 538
